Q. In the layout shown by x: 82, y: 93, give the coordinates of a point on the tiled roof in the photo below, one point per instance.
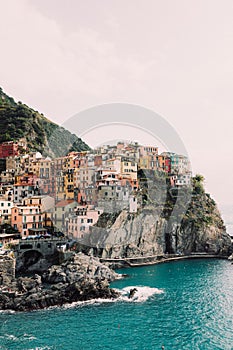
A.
x: 64, y: 202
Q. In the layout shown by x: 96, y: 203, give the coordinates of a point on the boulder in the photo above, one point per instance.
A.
x: 79, y: 279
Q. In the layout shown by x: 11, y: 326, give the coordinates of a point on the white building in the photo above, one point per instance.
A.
x: 133, y: 204
x: 5, y: 211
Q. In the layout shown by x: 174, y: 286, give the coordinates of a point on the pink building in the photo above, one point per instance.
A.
x: 80, y: 222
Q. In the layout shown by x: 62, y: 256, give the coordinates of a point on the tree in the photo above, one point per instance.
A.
x: 198, y: 186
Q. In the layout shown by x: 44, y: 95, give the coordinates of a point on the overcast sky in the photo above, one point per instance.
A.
x: 174, y: 57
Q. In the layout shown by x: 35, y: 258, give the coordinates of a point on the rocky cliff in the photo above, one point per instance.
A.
x: 188, y: 222
x: 80, y: 278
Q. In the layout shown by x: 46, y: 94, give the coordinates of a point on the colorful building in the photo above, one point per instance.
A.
x: 5, y: 211
x: 60, y: 213
x: 24, y: 218
x: 81, y: 220
x: 8, y: 149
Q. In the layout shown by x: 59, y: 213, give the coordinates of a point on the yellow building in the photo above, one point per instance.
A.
x: 128, y: 169
x: 69, y: 183
x: 143, y: 162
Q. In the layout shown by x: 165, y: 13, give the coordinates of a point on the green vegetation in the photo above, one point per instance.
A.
x: 202, y: 210
x: 19, y: 121
x: 193, y: 205
x: 198, y: 187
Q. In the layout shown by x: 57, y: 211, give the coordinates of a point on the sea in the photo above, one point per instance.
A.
x: 179, y: 305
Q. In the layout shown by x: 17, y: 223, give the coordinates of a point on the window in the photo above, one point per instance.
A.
x: 89, y: 221
x: 82, y: 221
x: 9, y: 204
x: 24, y: 225
x: 2, y: 204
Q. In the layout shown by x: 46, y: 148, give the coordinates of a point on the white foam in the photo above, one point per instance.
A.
x: 29, y: 336
x: 12, y: 337
x: 7, y: 311
x: 142, y: 293
x: 41, y: 348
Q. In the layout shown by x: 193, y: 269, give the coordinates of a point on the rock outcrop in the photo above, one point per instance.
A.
x: 155, y: 231
x: 78, y: 279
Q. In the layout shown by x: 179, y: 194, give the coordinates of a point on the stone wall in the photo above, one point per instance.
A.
x: 7, y: 268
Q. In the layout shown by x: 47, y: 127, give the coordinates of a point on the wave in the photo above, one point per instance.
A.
x: 41, y: 348
x: 7, y: 312
x: 14, y: 338
x: 142, y: 293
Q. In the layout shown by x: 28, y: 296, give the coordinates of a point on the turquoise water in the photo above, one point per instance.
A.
x: 181, y: 305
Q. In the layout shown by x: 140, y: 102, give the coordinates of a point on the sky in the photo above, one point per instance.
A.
x: 172, y: 57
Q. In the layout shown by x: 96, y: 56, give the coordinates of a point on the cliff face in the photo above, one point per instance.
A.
x: 154, y: 232
x: 138, y: 236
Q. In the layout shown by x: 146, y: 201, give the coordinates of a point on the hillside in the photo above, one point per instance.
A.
x: 18, y: 121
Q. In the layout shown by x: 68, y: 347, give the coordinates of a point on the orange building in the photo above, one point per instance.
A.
x: 24, y: 218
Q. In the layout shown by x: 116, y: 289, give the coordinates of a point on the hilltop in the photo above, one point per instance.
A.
x: 19, y: 121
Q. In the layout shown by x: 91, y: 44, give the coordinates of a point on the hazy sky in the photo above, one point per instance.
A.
x: 174, y: 57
